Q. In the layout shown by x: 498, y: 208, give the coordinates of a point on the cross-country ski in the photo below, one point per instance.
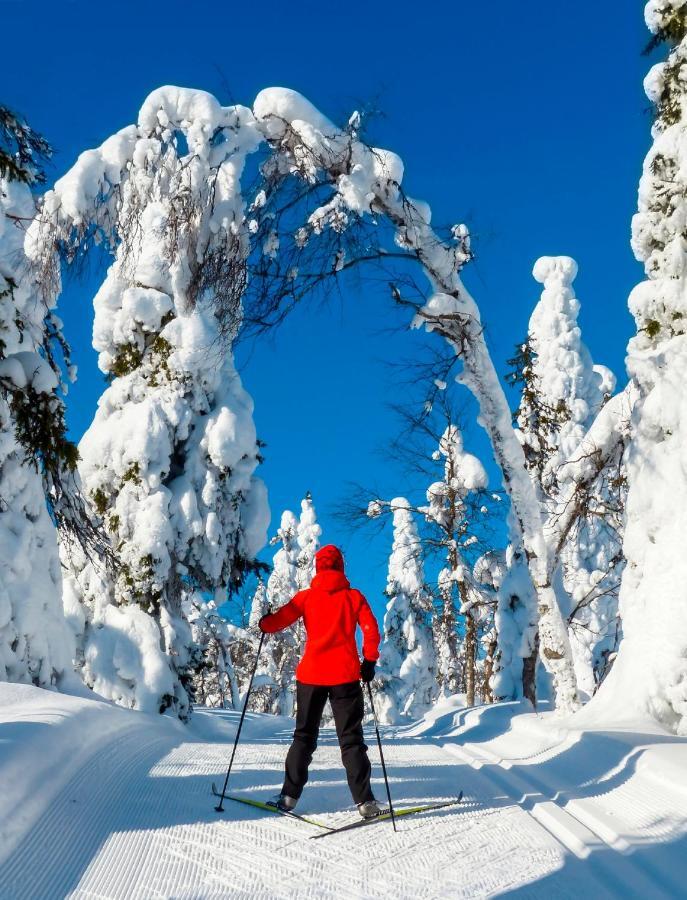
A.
x: 343, y: 450
x: 269, y: 807
x: 385, y: 815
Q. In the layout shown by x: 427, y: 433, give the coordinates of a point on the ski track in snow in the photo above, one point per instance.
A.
x: 137, y: 821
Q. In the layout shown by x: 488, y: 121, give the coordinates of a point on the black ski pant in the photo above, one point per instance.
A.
x: 348, y: 708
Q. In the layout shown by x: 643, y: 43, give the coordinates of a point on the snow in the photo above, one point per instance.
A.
x: 121, y: 807
x: 657, y: 13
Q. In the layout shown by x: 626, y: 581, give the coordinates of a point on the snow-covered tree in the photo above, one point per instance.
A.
x: 562, y: 393
x: 36, y: 646
x: 488, y: 572
x: 293, y: 570
x: 360, y: 187
x: 446, y: 511
x: 168, y: 463
x: 215, y: 682
x: 406, y: 671
x: 308, y: 534
x: 266, y: 684
x: 517, y: 635
x: 282, y: 584
x: 650, y: 673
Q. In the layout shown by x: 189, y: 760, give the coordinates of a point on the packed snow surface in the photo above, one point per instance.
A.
x: 121, y: 807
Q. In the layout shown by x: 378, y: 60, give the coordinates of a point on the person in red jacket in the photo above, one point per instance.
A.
x: 330, y: 670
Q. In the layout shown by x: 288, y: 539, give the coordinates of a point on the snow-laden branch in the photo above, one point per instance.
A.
x: 603, y: 443
x: 366, y: 181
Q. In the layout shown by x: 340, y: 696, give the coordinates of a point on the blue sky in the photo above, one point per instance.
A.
x: 526, y: 120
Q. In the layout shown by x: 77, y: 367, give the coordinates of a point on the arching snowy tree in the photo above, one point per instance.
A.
x: 650, y: 673
x: 362, y: 187
x: 406, y: 672
x: 344, y: 189
x: 168, y: 462
x: 35, y: 644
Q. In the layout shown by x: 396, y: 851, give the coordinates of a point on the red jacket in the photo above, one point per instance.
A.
x: 331, y: 610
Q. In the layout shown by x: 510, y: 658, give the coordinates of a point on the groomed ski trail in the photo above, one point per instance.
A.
x: 138, y: 820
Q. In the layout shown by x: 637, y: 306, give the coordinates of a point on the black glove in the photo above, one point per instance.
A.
x: 367, y: 670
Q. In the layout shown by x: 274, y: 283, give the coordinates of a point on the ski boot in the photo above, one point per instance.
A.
x: 283, y: 802
x: 369, y: 809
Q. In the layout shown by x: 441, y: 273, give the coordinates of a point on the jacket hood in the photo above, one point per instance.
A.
x: 327, y: 558
x: 331, y: 580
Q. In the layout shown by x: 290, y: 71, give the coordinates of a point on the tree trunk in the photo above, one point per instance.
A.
x: 470, y: 656
x: 529, y: 674
x: 487, y: 694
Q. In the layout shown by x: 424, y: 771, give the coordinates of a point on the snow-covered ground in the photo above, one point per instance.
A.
x: 98, y: 802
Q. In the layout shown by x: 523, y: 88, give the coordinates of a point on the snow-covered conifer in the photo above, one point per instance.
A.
x: 266, y: 684
x: 168, y: 463
x: 215, y: 682
x: 650, y: 673
x: 562, y: 393
x: 406, y: 663
x: 282, y: 584
x: 463, y: 474
x: 35, y: 644
x: 514, y: 670
x: 308, y: 533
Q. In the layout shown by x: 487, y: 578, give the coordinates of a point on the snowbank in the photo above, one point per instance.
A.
x: 45, y: 738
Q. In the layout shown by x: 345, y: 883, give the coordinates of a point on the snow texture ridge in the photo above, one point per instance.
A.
x: 122, y: 808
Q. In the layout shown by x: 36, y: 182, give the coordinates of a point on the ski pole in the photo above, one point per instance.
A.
x: 381, y: 756
x: 220, y: 807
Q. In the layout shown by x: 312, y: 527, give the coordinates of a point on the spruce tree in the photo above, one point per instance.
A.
x: 282, y: 584
x: 36, y: 646
x: 562, y: 392
x: 266, y: 685
x: 463, y: 474
x: 406, y: 673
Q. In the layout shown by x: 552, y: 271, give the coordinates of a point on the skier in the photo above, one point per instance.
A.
x: 330, y: 669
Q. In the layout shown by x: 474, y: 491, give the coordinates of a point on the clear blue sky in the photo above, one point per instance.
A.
x: 527, y: 120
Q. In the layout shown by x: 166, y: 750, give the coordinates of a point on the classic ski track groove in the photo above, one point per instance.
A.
x: 138, y: 823
x: 577, y: 824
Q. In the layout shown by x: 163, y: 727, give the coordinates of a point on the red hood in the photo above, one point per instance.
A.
x: 329, y: 557
x: 330, y: 581
x: 329, y: 565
